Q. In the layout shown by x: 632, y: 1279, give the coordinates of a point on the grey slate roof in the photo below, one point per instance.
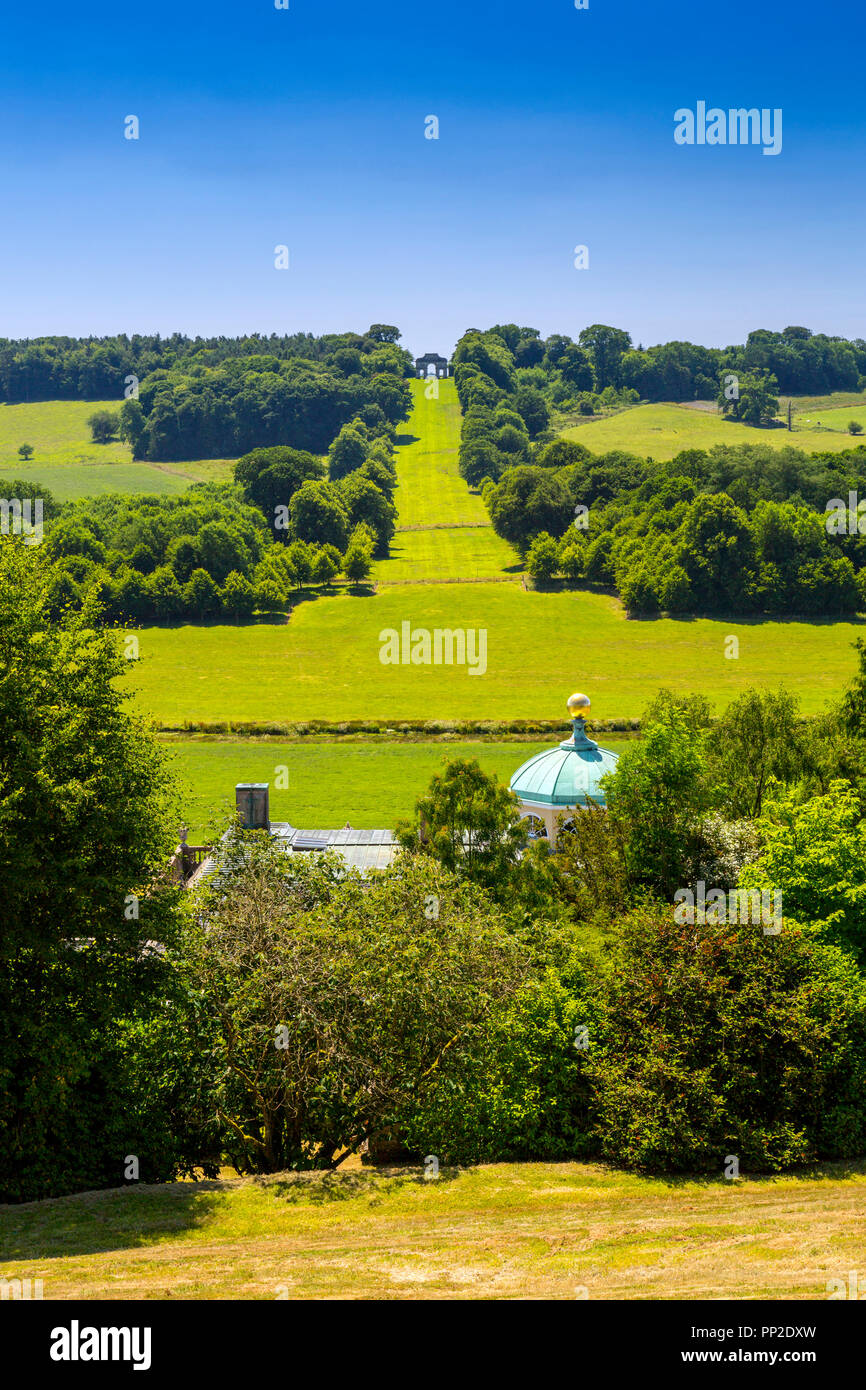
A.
x: 360, y: 849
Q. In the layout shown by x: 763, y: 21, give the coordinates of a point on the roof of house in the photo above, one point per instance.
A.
x: 360, y: 849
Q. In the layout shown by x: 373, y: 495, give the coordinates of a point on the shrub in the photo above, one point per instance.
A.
x: 357, y: 563
x: 201, y: 596
x: 720, y: 1040
x: 521, y: 1092
x: 381, y: 1002
x: 571, y: 558
x: 238, y: 596
x: 104, y: 425
x: 542, y: 559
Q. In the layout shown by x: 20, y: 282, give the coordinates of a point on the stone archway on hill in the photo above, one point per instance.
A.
x: 432, y: 364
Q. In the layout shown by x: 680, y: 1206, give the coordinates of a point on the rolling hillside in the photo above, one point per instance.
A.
x: 70, y: 465
x: 662, y: 431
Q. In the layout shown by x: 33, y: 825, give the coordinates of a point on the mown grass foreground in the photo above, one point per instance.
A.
x: 500, y: 1231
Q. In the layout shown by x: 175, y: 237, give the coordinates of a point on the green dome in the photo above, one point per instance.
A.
x: 567, y: 775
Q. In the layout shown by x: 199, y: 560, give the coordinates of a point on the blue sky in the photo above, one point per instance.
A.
x: 305, y: 127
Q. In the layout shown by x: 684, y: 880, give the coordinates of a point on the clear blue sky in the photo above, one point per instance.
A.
x: 306, y: 127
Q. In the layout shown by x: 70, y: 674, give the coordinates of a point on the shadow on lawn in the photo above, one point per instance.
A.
x: 92, y: 1223
x: 319, y: 1187
x: 753, y: 619
x: 829, y: 1171
x: 88, y: 1223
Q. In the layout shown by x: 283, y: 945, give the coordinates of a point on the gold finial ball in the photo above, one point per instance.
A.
x: 578, y: 705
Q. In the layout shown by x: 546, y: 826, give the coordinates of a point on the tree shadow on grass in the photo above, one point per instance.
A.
x: 753, y: 619
x: 90, y: 1223
x: 834, y: 1170
x: 323, y: 1187
x: 403, y: 439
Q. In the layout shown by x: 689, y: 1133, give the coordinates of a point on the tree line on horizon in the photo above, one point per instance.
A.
x: 94, y: 368
x: 184, y: 399
x: 601, y: 358
x: 604, y: 358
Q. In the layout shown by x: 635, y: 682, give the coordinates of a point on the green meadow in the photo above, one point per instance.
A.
x: 325, y: 662
x: 806, y: 405
x: 444, y: 532
x: 71, y: 466
x: 837, y: 419
x: 430, y: 491
x: 59, y: 433
x: 367, y: 784
x: 443, y: 554
x: 68, y: 482
x: 662, y: 431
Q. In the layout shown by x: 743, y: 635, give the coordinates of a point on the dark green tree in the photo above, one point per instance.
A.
x: 470, y: 822
x: 104, y: 425
x: 86, y: 807
x: 348, y: 451
x: 605, y: 346
x: 270, y: 478
x: 726, y: 1041
x: 318, y: 514
x: 750, y: 399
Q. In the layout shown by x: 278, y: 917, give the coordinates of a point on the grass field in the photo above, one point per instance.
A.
x: 445, y: 532
x: 67, y: 482
x: 501, y: 1231
x: 324, y: 664
x: 71, y: 466
x: 837, y: 419
x: 662, y: 431
x: 368, y: 784
x: 59, y: 433
x: 430, y: 491
x: 807, y: 404
x: 467, y: 553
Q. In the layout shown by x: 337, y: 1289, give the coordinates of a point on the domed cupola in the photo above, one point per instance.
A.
x: 564, y: 778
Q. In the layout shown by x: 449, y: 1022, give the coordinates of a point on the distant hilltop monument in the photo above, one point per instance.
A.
x: 441, y: 366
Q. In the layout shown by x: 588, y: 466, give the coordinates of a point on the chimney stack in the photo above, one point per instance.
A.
x: 251, y: 799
